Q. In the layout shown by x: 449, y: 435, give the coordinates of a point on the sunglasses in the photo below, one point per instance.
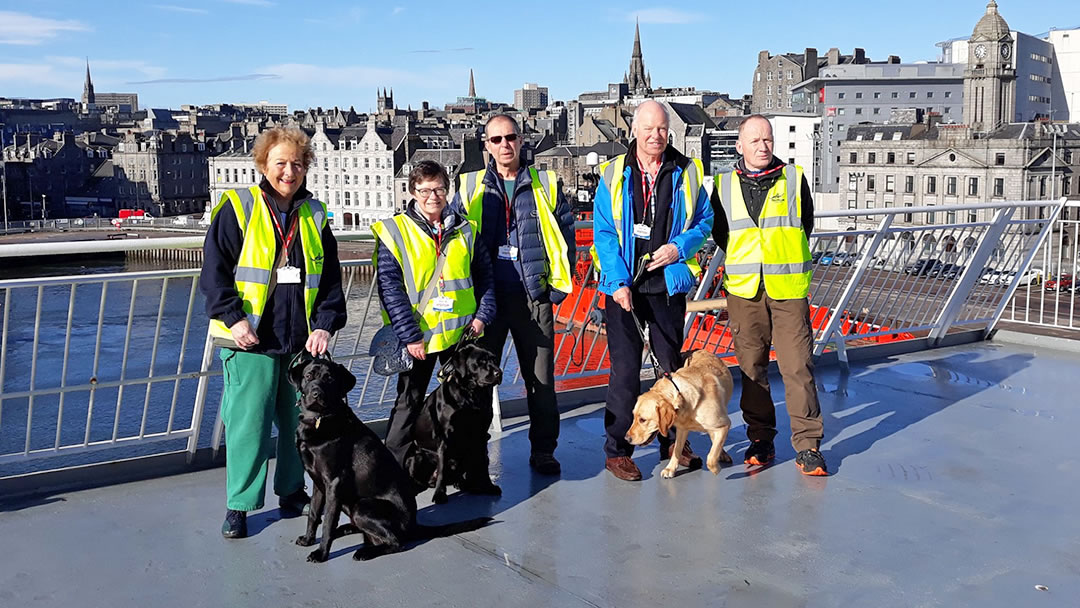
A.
x: 497, y: 139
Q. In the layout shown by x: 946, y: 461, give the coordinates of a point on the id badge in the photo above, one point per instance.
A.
x: 508, y: 252
x: 641, y: 231
x: 442, y: 304
x: 288, y: 275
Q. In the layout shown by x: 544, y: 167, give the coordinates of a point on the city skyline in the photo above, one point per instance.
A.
x: 43, y: 47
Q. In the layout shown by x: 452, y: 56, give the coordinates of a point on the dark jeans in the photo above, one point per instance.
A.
x: 664, y: 315
x: 411, y: 392
x: 532, y: 325
x: 758, y: 323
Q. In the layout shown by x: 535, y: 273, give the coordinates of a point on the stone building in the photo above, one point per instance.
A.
x: 162, y: 172
x: 776, y: 74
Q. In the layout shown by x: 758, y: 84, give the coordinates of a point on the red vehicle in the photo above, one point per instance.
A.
x: 1062, y: 283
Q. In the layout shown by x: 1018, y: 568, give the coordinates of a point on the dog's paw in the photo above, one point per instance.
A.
x: 305, y: 541
x: 363, y: 554
x: 725, y: 457
x: 316, y: 557
x: 667, y: 472
x: 714, y: 467
x: 439, y: 498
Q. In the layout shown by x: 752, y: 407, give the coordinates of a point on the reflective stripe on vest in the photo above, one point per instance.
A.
x: 414, y: 251
x: 777, y: 249
x: 544, y: 184
x: 613, y: 173
x: 258, y: 254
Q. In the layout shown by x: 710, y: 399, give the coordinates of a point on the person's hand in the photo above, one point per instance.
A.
x: 243, y: 334
x: 663, y: 256
x: 317, y: 342
x: 416, y: 349
x: 622, y: 298
x: 477, y: 327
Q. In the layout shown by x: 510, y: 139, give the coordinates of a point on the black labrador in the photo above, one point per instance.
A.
x: 450, y: 432
x: 352, y: 471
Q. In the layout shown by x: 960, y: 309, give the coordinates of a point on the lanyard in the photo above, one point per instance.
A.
x: 506, y: 198
x: 438, y: 252
x: 287, y: 239
x: 648, y: 190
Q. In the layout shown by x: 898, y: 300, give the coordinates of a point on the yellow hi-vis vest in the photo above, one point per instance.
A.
x: 415, y: 252
x: 774, y: 247
x: 471, y: 186
x: 612, y: 173
x: 259, y: 253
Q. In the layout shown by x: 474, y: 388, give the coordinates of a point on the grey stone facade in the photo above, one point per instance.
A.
x: 161, y: 172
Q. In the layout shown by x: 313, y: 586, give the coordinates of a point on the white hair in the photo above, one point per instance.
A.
x: 637, y: 111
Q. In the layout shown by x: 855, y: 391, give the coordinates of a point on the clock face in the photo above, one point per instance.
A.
x: 1006, y: 51
x: 980, y: 51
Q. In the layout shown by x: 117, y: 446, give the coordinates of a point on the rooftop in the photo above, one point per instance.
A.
x: 954, y: 478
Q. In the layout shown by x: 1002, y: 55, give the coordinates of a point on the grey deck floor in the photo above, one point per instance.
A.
x: 955, y: 483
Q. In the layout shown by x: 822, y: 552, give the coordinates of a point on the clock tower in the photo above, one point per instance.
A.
x: 990, y: 80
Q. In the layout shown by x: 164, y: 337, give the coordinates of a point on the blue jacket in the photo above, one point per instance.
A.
x: 283, y: 328
x: 532, y: 256
x: 617, y: 258
x: 391, y: 281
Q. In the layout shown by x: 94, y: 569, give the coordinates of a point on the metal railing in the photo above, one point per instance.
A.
x: 1047, y: 289
x: 120, y: 364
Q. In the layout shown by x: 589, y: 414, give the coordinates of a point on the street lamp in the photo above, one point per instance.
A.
x: 42, y: 210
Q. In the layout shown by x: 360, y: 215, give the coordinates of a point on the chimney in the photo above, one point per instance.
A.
x: 894, y: 59
x: 762, y: 57
x: 860, y: 56
x: 811, y: 69
x: 833, y: 56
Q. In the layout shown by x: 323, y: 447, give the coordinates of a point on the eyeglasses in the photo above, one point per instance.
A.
x: 497, y: 139
x: 427, y: 192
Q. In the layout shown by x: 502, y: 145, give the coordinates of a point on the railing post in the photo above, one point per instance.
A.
x: 703, y: 285
x: 200, y: 398
x: 849, y: 290
x: 971, y: 275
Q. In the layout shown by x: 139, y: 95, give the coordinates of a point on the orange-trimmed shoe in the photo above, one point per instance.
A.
x: 760, y: 453
x: 811, y: 462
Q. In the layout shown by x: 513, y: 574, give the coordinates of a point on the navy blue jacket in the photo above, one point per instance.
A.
x: 283, y: 328
x: 391, y: 280
x: 532, y: 256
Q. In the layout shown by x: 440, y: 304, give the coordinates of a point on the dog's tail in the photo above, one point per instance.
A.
x: 422, y: 532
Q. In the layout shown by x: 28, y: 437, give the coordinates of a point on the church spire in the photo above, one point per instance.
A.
x: 637, y: 39
x: 88, y: 86
x: 472, y: 84
x: 638, y: 82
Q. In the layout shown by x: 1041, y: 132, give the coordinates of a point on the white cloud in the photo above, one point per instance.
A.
x: 181, y: 9
x: 22, y: 75
x: 24, y: 29
x: 350, y: 76
x: 664, y: 15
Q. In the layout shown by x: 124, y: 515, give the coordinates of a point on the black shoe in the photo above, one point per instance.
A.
x: 296, y: 504
x: 545, y: 463
x: 235, y: 525
x: 760, y: 453
x: 811, y: 462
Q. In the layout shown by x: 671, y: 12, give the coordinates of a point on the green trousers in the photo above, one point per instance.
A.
x: 258, y: 392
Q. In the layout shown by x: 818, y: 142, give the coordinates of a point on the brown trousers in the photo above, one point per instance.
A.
x: 758, y: 323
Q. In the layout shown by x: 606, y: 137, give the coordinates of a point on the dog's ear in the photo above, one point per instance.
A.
x: 665, y: 415
x: 296, y: 369
x: 345, y: 377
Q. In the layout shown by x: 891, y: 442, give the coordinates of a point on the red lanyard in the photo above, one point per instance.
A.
x: 287, y: 239
x: 648, y: 188
x: 506, y: 197
x: 438, y: 251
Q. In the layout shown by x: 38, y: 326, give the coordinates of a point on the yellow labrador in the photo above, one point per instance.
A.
x: 694, y: 398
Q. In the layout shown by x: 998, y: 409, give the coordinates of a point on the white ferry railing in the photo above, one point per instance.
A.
x: 80, y: 356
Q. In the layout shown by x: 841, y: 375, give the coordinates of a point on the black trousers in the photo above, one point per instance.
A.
x: 532, y: 325
x: 411, y: 392
x: 664, y: 315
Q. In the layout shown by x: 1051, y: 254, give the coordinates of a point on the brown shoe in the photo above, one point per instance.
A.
x: 623, y: 467
x: 687, y: 459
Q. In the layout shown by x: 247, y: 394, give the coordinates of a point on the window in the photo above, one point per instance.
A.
x: 791, y: 145
x: 791, y: 129
x: 931, y: 184
x: 911, y: 95
x: 907, y: 216
x: 950, y: 186
x: 929, y: 217
x: 895, y: 95
x: 758, y: 76
x: 890, y: 183
x: 911, y: 158
x: 367, y: 180
x: 869, y: 205
x: 768, y: 76
x: 768, y: 103
x: 858, y: 95
x: 973, y: 186
x: 1042, y: 187
x: 1065, y: 186
x: 909, y: 184
x: 929, y: 94
x: 877, y: 110
x: 999, y: 158
x: 840, y: 95
x: 768, y: 90
x: 858, y: 110
x: 948, y: 94
x: 852, y: 182
x: 890, y: 158
x: 840, y: 111
x: 950, y: 217
x: 999, y: 186
x: 790, y: 75
x: 877, y: 95
x: 871, y: 157
x: 853, y: 158
x: 870, y: 183
x: 972, y: 218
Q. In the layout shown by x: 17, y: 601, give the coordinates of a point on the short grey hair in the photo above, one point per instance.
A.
x: 752, y: 117
x: 637, y: 111
x: 508, y: 118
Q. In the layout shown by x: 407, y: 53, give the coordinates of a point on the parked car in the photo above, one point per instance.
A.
x: 947, y: 272
x: 922, y: 267
x: 844, y: 258
x: 1033, y: 276
x: 826, y: 258
x: 1061, y: 283
x: 990, y: 276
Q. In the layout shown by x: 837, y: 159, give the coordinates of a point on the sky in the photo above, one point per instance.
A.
x: 334, y: 53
